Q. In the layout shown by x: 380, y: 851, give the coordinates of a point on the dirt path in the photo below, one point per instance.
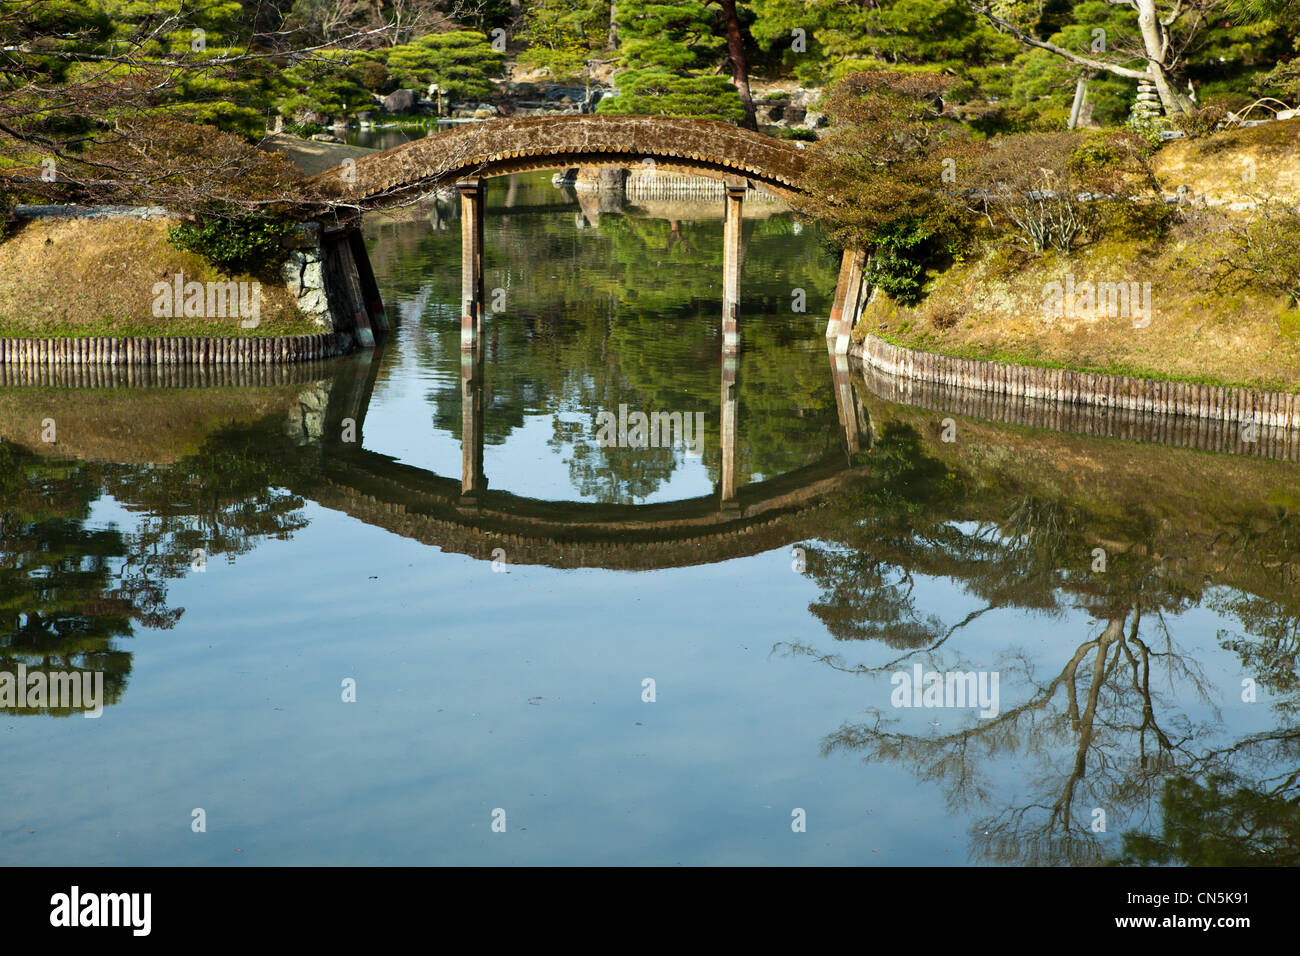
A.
x: 310, y: 156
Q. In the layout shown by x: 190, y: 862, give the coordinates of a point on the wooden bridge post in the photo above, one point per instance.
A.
x: 731, y: 233
x: 471, y: 261
x: 846, y: 305
x: 369, y: 285
x: 342, y: 276
x: 731, y: 263
x: 472, y: 479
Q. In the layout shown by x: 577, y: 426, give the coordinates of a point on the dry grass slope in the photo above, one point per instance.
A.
x: 96, y: 276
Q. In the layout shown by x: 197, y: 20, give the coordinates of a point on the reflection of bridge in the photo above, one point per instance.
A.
x: 466, y: 517
x: 470, y: 155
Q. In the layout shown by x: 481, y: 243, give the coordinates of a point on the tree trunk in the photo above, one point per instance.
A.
x: 739, y: 68
x: 1155, y: 41
x: 613, y: 25
x: 1080, y: 92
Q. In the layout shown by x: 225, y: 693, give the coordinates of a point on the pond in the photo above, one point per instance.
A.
x: 408, y: 608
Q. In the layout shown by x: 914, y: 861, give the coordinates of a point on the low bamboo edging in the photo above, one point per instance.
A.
x: 1199, y: 417
x: 678, y: 186
x: 1216, y: 403
x: 110, y: 352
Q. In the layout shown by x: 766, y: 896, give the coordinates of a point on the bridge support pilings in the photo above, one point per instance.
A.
x: 731, y: 263
x: 355, y: 305
x: 472, y: 193
x: 369, y: 285
x: 731, y: 266
x: 847, y: 304
x: 350, y: 390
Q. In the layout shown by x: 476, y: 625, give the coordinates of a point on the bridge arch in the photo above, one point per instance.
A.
x: 499, y: 147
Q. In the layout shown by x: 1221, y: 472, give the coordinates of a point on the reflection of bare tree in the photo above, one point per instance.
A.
x: 1097, y: 734
x: 1094, y: 734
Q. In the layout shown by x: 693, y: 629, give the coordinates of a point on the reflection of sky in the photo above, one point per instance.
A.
x: 519, y: 690
x: 237, y: 711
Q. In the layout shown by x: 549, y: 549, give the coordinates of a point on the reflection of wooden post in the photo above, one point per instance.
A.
x: 350, y: 390
x: 472, y: 479
x: 845, y: 307
x: 731, y: 231
x: 730, y: 366
x: 471, y: 261
x: 845, y: 403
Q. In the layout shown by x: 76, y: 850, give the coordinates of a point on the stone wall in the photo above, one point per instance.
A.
x: 304, y: 274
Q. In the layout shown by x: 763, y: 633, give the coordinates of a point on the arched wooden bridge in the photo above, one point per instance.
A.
x: 470, y: 155
x: 499, y: 147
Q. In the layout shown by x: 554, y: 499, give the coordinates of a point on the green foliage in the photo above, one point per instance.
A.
x: 1200, y: 122
x: 666, y: 47
x: 1113, y: 151
x: 240, y: 120
x: 928, y: 35
x: 904, y: 248
x: 1124, y: 219
x: 238, y: 245
x: 661, y: 93
x: 872, y: 181
x: 330, y: 85
x: 559, y: 35
x: 1116, y: 165
x: 1262, y: 251
x: 1282, y: 82
x: 1014, y: 88
x: 671, y: 35
x: 1254, y: 11
x: 462, y: 63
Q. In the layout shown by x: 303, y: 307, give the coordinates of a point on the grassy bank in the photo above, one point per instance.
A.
x: 1190, y: 320
x: 63, y: 277
x: 991, y: 306
x: 1234, y: 165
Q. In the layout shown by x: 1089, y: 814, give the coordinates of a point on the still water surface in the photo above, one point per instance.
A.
x: 500, y: 648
